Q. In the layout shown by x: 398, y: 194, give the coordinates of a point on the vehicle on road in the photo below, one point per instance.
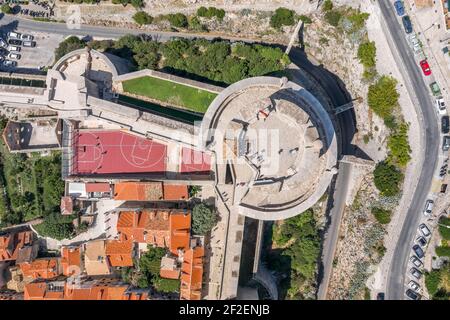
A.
x: 424, y: 230
x: 415, y: 261
x: 440, y: 106
x: 435, y: 89
x: 13, y: 55
x: 415, y: 273
x: 399, y: 8
x: 30, y: 44
x: 380, y: 296
x: 418, y: 251
x: 428, y: 207
x: 425, y: 67
x: 413, y: 295
x: 445, y: 143
x: 14, y: 49
x: 15, y: 42
x: 414, y: 285
x: 422, y: 241
x: 407, y: 24
x: 445, y: 124
x: 14, y: 35
x: 9, y: 63
x: 26, y: 37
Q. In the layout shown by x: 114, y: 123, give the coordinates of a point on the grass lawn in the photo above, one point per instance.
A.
x: 171, y: 93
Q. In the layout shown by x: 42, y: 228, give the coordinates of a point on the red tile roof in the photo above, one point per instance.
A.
x: 174, y: 192
x: 98, y: 187
x: 191, y: 274
x: 71, y: 261
x: 12, y: 242
x: 119, y: 253
x: 41, y: 268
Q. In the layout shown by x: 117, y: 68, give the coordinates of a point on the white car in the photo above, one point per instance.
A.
x: 14, y: 49
x: 440, y: 105
x: 428, y: 208
x: 30, y: 44
x: 424, y: 230
x: 26, y: 37
x: 14, y: 56
x: 414, y: 285
x: 14, y: 35
x: 416, y: 262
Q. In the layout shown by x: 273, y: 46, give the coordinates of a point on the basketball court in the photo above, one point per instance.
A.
x: 115, y: 152
x: 193, y: 161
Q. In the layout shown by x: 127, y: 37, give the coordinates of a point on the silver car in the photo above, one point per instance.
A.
x: 414, y: 285
x: 424, y: 230
x: 415, y: 273
x: 416, y: 262
x: 26, y: 37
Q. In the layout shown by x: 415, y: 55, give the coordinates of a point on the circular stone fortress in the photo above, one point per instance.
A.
x: 274, y: 145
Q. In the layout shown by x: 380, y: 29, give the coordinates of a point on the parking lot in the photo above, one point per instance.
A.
x: 40, y: 56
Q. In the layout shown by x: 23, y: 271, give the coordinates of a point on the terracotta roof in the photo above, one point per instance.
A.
x: 71, y: 261
x: 12, y: 242
x: 98, y: 187
x: 161, y: 228
x: 191, y: 274
x: 95, y: 260
x: 175, y: 192
x: 120, y: 253
x: 138, y: 191
x: 41, y: 268
x: 66, y: 205
x: 41, y: 291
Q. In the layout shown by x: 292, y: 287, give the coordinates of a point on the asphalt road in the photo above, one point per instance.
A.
x: 395, y: 286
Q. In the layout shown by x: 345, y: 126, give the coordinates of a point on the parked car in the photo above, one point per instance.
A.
x: 9, y: 63
x: 440, y: 106
x: 418, y: 251
x: 399, y: 7
x: 425, y: 67
x: 435, y: 89
x: 14, y: 49
x: 428, y: 207
x: 15, y: 42
x: 415, y: 273
x: 380, y: 296
x: 416, y: 262
x: 3, y: 43
x: 445, y: 143
x: 26, y: 37
x: 444, y: 188
x: 414, y: 285
x: 3, y: 52
x: 407, y: 24
x: 422, y: 241
x: 14, y: 56
x: 14, y: 35
x: 445, y: 124
x: 424, y: 230
x: 31, y: 44
x: 413, y: 295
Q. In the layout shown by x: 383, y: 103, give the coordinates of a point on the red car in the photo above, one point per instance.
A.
x: 425, y: 67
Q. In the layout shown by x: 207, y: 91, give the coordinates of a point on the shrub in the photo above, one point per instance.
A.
x: 333, y: 17
x: 282, y: 17
x: 383, y: 96
x: 367, y: 54
x: 383, y: 216
x: 327, y: 5
x: 432, y: 281
x: 399, y: 146
x: 203, y: 219
x: 387, y: 179
x: 70, y: 44
x: 6, y: 9
x: 305, y: 19
x: 178, y: 20
x: 142, y: 18
x: 442, y: 251
x: 202, y: 11
x: 444, y: 231
x: 211, y: 12
x: 138, y: 4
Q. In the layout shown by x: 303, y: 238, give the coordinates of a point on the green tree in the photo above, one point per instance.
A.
x: 383, y: 96
x: 202, y: 11
x: 203, y: 219
x: 138, y: 4
x: 387, y: 179
x: 327, y: 5
x: 282, y: 17
x: 70, y: 44
x: 443, y: 251
x: 443, y: 230
x: 142, y: 17
x: 333, y: 17
x: 178, y: 20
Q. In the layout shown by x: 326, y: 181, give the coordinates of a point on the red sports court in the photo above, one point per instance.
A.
x: 193, y: 161
x: 110, y: 152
